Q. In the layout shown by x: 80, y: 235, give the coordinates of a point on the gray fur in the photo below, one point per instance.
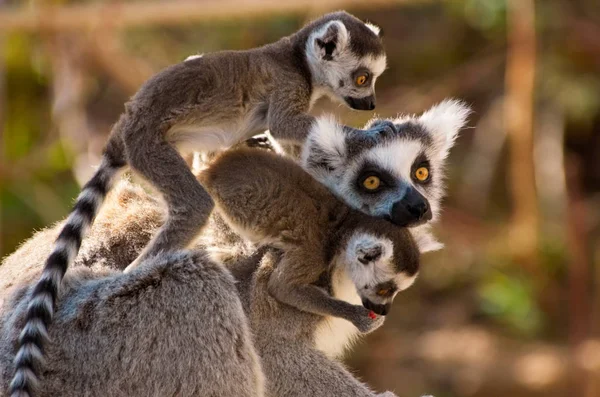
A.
x: 122, y: 335
x: 206, y: 103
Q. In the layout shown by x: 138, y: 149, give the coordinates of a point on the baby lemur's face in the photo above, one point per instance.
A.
x: 378, y: 269
x: 394, y: 168
x: 346, y: 57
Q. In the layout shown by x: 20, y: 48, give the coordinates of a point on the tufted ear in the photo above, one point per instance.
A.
x: 374, y: 28
x: 324, y: 150
x: 330, y: 40
x: 443, y: 122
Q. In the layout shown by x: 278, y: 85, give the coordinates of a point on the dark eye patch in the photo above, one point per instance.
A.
x: 369, y: 169
x: 389, y: 286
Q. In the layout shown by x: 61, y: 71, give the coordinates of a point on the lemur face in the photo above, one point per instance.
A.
x: 378, y: 269
x: 346, y: 57
x: 394, y: 168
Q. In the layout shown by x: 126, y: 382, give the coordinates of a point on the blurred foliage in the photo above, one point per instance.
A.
x: 511, y: 300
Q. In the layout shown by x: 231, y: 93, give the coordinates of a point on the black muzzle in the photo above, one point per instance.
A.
x: 366, y: 103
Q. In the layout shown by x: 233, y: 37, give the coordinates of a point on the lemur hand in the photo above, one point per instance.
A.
x: 365, y: 320
x: 377, y: 131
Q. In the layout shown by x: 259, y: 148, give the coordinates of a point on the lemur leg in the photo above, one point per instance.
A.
x: 188, y: 203
x: 292, y: 283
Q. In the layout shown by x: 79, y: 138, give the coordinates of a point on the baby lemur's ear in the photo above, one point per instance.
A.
x: 443, y: 122
x: 374, y: 28
x: 366, y: 255
x: 367, y: 248
x: 330, y: 40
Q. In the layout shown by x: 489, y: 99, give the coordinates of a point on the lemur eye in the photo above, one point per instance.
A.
x: 422, y: 173
x: 361, y: 79
x: 371, y: 182
x: 383, y: 292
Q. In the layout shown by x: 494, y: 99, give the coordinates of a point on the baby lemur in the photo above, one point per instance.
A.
x: 270, y: 199
x: 208, y: 103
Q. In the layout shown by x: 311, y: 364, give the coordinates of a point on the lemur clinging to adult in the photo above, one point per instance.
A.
x: 269, y: 199
x: 208, y: 103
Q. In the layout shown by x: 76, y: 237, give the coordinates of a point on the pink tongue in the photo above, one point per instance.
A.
x: 372, y: 315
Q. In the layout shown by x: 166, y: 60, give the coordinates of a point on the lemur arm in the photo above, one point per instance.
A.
x: 288, y: 117
x: 292, y: 283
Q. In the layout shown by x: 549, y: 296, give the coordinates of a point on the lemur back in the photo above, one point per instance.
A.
x: 206, y: 103
x: 270, y: 199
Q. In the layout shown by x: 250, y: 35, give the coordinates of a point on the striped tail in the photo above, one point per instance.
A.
x: 29, y: 358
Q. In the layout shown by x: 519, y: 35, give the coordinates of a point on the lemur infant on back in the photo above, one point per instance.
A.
x: 208, y: 103
x: 270, y: 199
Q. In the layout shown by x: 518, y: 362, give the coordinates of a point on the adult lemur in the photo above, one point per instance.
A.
x: 107, y: 327
x: 208, y: 103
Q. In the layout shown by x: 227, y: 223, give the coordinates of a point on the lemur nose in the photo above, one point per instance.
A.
x: 419, y: 210
x: 372, y: 104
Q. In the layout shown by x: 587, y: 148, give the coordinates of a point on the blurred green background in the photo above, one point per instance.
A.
x: 511, y: 306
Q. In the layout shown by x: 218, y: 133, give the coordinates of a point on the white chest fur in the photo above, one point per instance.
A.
x: 334, y: 335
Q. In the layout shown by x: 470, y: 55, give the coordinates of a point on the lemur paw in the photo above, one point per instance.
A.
x: 366, y: 321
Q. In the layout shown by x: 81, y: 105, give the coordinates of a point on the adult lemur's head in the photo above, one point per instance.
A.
x: 345, y: 57
x: 392, y: 169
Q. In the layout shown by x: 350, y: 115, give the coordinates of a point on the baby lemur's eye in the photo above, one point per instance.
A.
x: 422, y: 173
x: 383, y: 292
x: 371, y: 182
x: 361, y: 79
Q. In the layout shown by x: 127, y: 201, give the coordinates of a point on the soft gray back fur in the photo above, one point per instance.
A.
x: 173, y: 327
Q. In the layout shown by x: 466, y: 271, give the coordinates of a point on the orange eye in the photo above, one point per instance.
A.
x: 371, y: 182
x: 361, y: 80
x: 383, y: 292
x: 422, y: 174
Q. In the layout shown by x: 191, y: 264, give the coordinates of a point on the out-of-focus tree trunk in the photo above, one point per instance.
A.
x: 482, y: 160
x: 579, y: 271
x: 520, y: 79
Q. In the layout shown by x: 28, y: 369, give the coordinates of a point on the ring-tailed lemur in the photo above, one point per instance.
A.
x: 207, y: 103
x: 131, y: 217
x: 269, y: 199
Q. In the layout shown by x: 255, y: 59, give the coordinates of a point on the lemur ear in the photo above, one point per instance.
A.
x: 443, y: 122
x: 330, y: 40
x: 324, y: 151
x: 374, y: 28
x: 368, y: 254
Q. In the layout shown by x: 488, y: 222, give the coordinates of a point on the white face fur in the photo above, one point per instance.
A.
x: 369, y: 263
x: 338, y: 71
x: 343, y: 161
